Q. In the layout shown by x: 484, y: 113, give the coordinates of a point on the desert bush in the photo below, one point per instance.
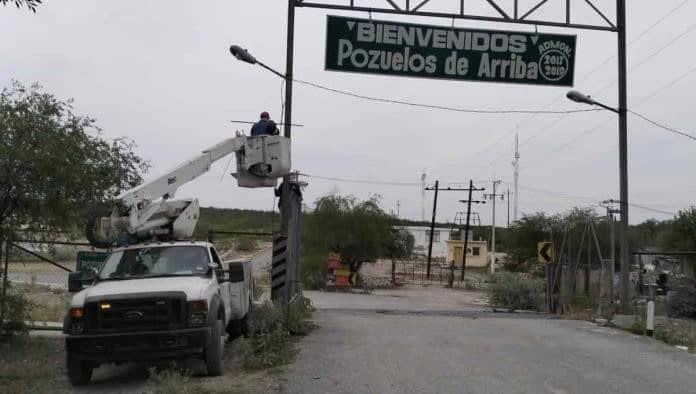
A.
x: 271, y: 328
x: 268, y: 344
x: 266, y: 349
x: 17, y: 310
x: 515, y: 291
x: 171, y: 380
x: 300, y: 311
x: 682, y: 302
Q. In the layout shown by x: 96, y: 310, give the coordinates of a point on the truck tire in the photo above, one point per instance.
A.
x: 214, y: 347
x: 234, y: 329
x: 79, y: 372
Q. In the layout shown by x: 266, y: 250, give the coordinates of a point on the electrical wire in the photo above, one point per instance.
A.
x: 439, y: 107
x: 670, y: 129
x: 600, y: 66
x: 588, y: 199
x: 642, y: 101
x: 361, y: 181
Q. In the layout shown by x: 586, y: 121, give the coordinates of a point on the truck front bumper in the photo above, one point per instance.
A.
x: 138, y: 346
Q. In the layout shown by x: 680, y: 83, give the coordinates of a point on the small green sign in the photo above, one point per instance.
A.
x: 411, y: 50
x: 87, y: 260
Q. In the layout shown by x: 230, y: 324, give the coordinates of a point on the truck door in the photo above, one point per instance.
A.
x: 224, y: 286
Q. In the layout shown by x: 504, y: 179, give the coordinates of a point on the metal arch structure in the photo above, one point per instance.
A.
x: 514, y: 13
x: 505, y: 13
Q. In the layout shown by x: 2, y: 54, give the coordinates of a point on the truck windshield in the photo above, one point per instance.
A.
x: 157, y: 261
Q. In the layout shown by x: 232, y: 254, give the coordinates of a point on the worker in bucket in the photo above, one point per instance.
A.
x: 265, y: 126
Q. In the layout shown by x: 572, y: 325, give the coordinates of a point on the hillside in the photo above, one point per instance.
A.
x: 224, y: 219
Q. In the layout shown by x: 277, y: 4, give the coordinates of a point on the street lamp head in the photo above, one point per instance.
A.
x: 578, y: 97
x: 242, y: 54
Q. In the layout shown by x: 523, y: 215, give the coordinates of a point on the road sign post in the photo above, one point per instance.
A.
x: 545, y: 252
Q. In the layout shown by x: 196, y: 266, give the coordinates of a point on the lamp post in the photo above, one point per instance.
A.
x: 578, y: 97
x: 243, y: 55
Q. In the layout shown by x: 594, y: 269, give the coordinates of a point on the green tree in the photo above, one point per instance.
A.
x: 523, y: 237
x: 359, y: 230
x: 55, y: 164
x: 31, y: 4
x: 680, y: 233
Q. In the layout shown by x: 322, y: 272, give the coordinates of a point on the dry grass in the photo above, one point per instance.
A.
x: 48, y: 304
x: 32, y: 365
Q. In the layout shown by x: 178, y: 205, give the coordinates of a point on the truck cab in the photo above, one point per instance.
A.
x: 156, y: 300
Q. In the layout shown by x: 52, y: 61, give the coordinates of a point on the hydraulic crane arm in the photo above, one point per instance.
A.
x: 148, y: 211
x: 166, y: 185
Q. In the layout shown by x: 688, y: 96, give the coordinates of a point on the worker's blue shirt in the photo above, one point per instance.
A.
x: 260, y: 128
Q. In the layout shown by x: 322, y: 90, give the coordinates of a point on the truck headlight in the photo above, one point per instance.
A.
x: 197, y: 313
x: 77, y: 321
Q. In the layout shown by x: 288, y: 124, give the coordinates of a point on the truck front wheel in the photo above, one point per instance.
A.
x: 213, y: 350
x: 79, y: 372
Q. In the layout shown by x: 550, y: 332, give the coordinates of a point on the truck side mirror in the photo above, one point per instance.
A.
x: 236, y: 271
x: 75, y: 282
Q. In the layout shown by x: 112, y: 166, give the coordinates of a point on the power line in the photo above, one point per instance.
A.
x: 361, y: 181
x: 675, y: 131
x: 589, y: 199
x: 640, y: 102
x: 600, y: 66
x: 439, y: 107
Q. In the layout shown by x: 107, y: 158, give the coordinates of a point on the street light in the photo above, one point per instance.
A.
x: 244, y: 55
x: 578, y: 97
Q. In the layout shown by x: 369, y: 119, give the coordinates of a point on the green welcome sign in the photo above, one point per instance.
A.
x: 87, y: 260
x: 411, y: 50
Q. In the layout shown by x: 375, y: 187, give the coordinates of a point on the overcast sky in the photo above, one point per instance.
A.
x: 159, y: 72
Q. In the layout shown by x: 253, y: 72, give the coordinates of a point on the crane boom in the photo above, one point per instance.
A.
x: 147, y: 211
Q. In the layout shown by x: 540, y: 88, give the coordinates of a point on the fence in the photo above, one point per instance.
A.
x: 41, y: 262
x: 414, y: 272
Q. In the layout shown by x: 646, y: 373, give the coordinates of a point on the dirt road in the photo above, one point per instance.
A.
x: 375, y: 345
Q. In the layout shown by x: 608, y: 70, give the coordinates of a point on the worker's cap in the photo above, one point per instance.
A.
x: 265, y: 115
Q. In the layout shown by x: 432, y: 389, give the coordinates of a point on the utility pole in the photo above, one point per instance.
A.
x: 516, y: 166
x: 398, y: 207
x: 623, y: 150
x: 492, y: 197
x: 508, y: 204
x: 432, y: 225
x: 467, y: 226
x: 432, y: 228
x: 423, y: 178
x: 611, y: 211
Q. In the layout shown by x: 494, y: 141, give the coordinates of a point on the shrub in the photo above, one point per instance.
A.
x: 171, y: 380
x: 17, y: 311
x: 266, y: 349
x: 270, y: 333
x: 314, y: 270
x: 300, y: 311
x: 515, y: 291
x: 682, y: 302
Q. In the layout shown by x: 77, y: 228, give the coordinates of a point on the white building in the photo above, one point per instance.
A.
x: 421, y: 236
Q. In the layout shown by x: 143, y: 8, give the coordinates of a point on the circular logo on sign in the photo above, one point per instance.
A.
x: 554, y: 65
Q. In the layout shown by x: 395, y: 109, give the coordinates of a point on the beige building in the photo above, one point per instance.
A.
x: 477, y: 252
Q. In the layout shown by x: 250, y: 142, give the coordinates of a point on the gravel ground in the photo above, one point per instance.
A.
x: 356, y: 351
x: 421, y: 343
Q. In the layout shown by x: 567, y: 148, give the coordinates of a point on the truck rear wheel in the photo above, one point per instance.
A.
x: 214, y: 347
x: 79, y: 371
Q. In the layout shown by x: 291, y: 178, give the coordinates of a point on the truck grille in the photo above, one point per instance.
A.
x: 145, y: 312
